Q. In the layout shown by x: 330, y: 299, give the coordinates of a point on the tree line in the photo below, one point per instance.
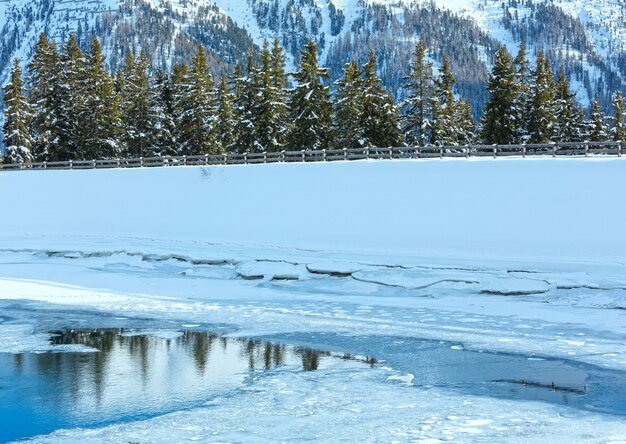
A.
x: 68, y: 106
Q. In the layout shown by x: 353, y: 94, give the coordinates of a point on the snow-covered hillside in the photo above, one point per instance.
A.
x: 549, y: 208
x: 586, y: 38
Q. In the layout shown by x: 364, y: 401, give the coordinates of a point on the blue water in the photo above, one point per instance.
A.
x: 131, y: 377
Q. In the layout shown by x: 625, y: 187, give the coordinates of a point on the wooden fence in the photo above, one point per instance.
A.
x: 573, y: 149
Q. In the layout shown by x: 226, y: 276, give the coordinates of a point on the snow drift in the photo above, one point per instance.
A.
x: 566, y: 209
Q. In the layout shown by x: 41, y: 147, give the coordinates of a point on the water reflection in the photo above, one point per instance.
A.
x: 131, y: 376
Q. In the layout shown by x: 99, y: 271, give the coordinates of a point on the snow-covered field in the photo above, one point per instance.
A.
x: 512, y: 256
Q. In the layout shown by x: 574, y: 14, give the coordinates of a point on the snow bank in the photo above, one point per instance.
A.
x: 546, y: 209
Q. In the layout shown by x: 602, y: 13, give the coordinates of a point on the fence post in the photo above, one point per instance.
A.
x: 495, y: 151
x: 390, y: 153
x: 303, y: 156
x: 70, y: 163
x: 467, y: 151
x: 206, y: 159
x: 417, y: 152
x: 324, y: 154
x: 245, y: 158
x: 367, y: 153
x: 441, y: 152
x: 524, y: 150
x: 141, y: 161
x: 345, y: 154
x: 45, y: 165
x: 619, y: 149
x: 225, y: 159
x: 282, y: 156
x: 264, y: 156
x: 554, y: 148
x: 185, y: 160
x: 93, y: 162
x: 586, y: 149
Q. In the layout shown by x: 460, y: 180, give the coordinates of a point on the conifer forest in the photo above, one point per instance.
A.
x: 67, y: 106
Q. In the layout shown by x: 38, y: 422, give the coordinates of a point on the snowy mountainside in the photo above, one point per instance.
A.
x: 587, y: 38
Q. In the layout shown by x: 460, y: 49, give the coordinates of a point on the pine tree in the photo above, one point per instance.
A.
x: 270, y: 112
x: 499, y: 122
x: 246, y: 104
x: 541, y: 116
x: 379, y: 119
x: 135, y: 106
x: 416, y: 108
x: 178, y: 86
x: 444, y: 130
x: 197, y: 117
x: 349, y: 108
x: 98, y: 136
x: 310, y: 104
x: 597, y: 124
x: 17, y: 140
x: 522, y: 90
x: 42, y: 85
x: 618, y: 131
x: 226, y: 122
x: 566, y: 127
x: 464, y: 122
x: 70, y: 94
x: 163, y: 142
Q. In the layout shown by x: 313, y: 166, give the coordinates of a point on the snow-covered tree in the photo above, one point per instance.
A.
x: 42, y: 86
x: 465, y: 123
x: 70, y: 102
x: 498, y: 122
x: 99, y: 116
x: 271, y: 107
x: 349, y: 108
x: 17, y: 140
x: 567, y: 125
x: 416, y: 107
x: 379, y: 119
x: 542, y: 115
x: 135, y: 106
x: 197, y: 110
x: 522, y: 93
x: 310, y: 105
x: 246, y: 104
x: 226, y: 122
x: 598, y: 131
x: 618, y: 131
x: 443, y: 104
x: 163, y: 142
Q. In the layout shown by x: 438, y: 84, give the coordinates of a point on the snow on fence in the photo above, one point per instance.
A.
x: 579, y: 149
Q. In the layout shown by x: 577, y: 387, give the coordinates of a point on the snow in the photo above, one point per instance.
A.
x: 509, y: 255
x: 404, y: 207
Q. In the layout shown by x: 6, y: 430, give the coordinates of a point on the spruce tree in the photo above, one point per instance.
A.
x: 597, y: 124
x: 17, y: 140
x: 246, y: 105
x: 444, y: 128
x: 566, y: 127
x: 349, y: 108
x: 197, y: 110
x: 99, y: 114
x: 42, y: 85
x: 464, y: 122
x: 541, y: 115
x: 135, y: 106
x: 226, y: 122
x: 70, y: 93
x: 522, y: 91
x: 163, y: 142
x: 416, y: 108
x: 270, y: 112
x: 618, y: 131
x: 498, y: 122
x: 379, y: 119
x: 310, y: 105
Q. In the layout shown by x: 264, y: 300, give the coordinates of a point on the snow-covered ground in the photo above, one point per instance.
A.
x: 515, y: 256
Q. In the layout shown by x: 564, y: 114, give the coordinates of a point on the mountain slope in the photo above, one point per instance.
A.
x: 587, y: 38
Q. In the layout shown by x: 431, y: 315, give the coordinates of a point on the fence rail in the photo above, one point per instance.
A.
x: 572, y: 149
